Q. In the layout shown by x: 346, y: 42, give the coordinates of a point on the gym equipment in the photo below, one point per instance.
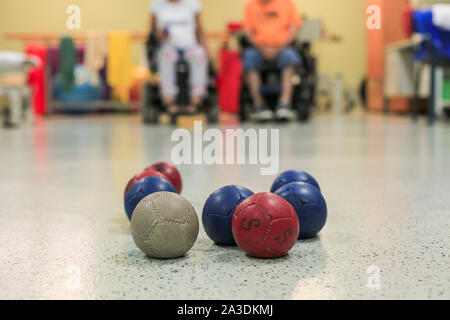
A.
x: 309, y: 204
x: 265, y: 226
x: 13, y: 69
x: 293, y: 176
x: 151, y: 100
x: 144, y: 174
x: 164, y: 225
x: 171, y: 172
x: 142, y: 189
x: 218, y: 212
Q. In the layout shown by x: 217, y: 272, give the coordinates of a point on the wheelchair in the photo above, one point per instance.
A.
x: 152, y: 105
x: 304, y: 82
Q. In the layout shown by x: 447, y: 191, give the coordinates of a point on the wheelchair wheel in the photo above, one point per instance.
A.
x: 150, y: 116
x: 302, y: 105
x: 150, y: 112
x: 303, y: 114
x: 244, y: 103
x: 212, y: 108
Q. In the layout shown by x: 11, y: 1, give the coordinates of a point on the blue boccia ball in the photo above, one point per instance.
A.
x: 309, y: 204
x: 218, y: 212
x: 293, y: 176
x: 142, y: 189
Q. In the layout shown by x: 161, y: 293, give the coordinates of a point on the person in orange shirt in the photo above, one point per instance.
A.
x: 271, y: 26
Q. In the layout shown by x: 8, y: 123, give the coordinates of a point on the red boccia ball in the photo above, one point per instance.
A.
x: 170, y: 172
x: 144, y: 174
x: 265, y: 226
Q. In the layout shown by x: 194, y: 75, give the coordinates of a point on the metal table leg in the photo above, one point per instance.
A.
x: 432, y: 106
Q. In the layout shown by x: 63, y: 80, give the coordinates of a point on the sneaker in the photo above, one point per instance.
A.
x: 284, y: 112
x: 263, y: 114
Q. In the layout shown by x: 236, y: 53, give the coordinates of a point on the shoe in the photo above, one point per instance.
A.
x: 284, y: 112
x: 263, y: 114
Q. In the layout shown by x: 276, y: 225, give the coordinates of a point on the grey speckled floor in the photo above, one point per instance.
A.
x: 64, y: 233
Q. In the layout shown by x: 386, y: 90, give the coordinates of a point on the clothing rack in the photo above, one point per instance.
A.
x: 51, y: 39
x: 81, y: 37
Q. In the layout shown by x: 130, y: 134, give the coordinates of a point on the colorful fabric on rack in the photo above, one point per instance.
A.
x: 67, y: 61
x: 53, y: 58
x: 37, y: 79
x: 229, y: 80
x: 120, y: 64
x: 96, y: 50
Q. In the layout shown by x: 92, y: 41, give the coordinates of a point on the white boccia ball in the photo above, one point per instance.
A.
x: 164, y: 225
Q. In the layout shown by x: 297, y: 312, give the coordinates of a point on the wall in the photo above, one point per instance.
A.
x: 343, y: 17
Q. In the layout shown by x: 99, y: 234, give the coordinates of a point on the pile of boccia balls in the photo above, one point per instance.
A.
x: 266, y: 225
x: 165, y: 225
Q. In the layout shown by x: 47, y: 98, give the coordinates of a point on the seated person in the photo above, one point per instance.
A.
x: 271, y: 26
x: 177, y: 25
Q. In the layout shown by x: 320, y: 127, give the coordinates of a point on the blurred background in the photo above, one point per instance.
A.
x: 398, y: 67
x: 81, y: 113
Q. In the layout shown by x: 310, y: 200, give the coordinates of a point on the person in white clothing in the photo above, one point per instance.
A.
x: 177, y: 24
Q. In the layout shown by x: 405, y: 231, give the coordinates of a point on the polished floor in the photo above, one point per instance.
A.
x: 64, y: 233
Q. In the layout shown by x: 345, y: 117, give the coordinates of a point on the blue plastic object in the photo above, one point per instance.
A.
x: 218, y: 212
x: 423, y: 21
x: 142, y: 189
x: 293, y: 176
x: 85, y: 89
x: 439, y: 38
x: 310, y: 206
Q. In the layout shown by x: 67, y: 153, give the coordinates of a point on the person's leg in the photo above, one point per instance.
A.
x: 286, y: 85
x: 287, y: 60
x: 252, y: 60
x: 254, y: 84
x: 167, y: 59
x: 198, y: 75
